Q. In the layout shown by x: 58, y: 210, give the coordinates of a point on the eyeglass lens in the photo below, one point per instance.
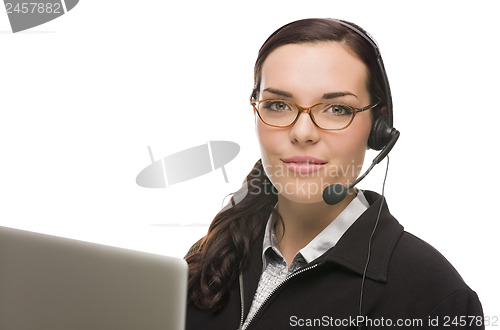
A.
x: 327, y: 116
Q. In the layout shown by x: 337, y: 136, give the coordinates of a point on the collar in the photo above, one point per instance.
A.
x: 324, y: 240
x: 350, y: 251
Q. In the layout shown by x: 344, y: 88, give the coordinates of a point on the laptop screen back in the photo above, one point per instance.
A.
x: 55, y: 283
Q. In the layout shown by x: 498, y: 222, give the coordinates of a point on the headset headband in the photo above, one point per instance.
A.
x: 380, y: 62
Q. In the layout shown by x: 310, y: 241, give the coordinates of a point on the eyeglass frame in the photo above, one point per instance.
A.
x: 307, y: 110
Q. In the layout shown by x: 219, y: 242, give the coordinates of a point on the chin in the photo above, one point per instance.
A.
x: 300, y: 190
x: 303, y: 199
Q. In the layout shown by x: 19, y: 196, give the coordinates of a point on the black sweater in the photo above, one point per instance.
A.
x: 408, y: 285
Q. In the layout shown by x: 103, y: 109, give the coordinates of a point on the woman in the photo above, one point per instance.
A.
x: 283, y: 258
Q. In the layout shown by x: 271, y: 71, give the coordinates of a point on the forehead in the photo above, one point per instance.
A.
x: 310, y: 69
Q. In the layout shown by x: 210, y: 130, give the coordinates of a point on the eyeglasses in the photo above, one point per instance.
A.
x: 279, y: 113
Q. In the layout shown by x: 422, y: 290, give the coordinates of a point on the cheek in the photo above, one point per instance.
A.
x: 268, y: 139
x: 271, y: 142
x: 348, y: 147
x: 360, y: 130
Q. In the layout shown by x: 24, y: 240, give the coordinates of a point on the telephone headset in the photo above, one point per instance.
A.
x: 383, y: 136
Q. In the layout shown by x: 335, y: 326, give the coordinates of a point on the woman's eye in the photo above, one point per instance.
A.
x: 338, y: 110
x: 276, y: 106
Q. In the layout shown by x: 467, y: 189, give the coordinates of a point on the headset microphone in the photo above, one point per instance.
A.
x: 336, y: 193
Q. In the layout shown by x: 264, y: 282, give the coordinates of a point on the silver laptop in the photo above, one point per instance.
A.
x: 53, y: 283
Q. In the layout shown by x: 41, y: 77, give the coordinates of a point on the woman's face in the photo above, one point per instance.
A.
x: 303, y: 159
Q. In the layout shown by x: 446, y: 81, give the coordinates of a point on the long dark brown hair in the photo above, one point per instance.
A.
x: 216, y: 260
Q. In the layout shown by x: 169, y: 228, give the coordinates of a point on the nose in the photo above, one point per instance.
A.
x: 304, y: 131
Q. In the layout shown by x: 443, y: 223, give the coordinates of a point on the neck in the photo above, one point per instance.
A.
x: 303, y: 222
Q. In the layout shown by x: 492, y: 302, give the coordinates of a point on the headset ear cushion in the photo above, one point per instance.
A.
x: 380, y: 134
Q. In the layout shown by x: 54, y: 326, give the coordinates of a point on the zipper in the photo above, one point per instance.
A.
x: 300, y: 271
x: 242, y: 302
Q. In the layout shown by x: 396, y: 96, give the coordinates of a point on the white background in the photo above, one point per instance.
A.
x: 83, y: 96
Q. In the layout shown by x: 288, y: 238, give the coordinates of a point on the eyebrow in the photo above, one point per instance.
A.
x: 325, y: 96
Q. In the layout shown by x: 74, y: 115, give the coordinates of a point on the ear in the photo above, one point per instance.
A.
x: 383, y: 111
x: 252, y: 102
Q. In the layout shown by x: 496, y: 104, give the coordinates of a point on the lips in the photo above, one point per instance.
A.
x: 304, y: 164
x: 304, y: 160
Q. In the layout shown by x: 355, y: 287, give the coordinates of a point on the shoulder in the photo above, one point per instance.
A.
x: 422, y: 272
x: 418, y: 260
x: 419, y: 256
